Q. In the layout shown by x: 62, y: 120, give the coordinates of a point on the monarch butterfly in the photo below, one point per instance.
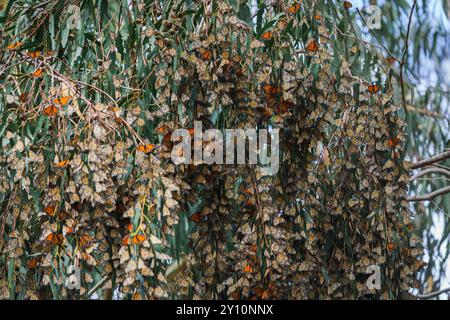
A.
x: 14, y: 46
x: 207, y: 54
x: 392, y: 143
x: 312, y: 46
x: 167, y: 138
x: 54, y: 238
x: 139, y: 238
x: 248, y: 269
x: 137, y: 296
x: 317, y: 17
x: 247, y: 191
x: 270, y: 89
x: 373, y: 88
x: 191, y: 131
x: 294, y: 8
x: 50, y: 210
x: 266, y: 112
x: 395, y: 155
x: 161, y: 129
x: 259, y: 291
x: 196, y: 217
x: 62, y: 163
x: 88, y: 258
x: 67, y: 230
x: 390, y: 60
x: 146, y: 148
x: 390, y: 246
x: 85, y: 240
x: 50, y: 111
x: 267, y: 35
x: 62, y: 215
x: 38, y: 73
x: 126, y: 240
x: 347, y: 5
x: 284, y: 106
x: 34, y: 54
x: 32, y: 263
x: 23, y: 97
x: 61, y: 101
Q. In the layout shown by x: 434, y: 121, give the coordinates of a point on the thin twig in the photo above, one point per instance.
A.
x: 377, y: 38
x: 404, y: 56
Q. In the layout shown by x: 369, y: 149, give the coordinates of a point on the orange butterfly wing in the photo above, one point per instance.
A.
x: 207, y: 54
x: 139, y: 238
x: 392, y: 143
x: 373, y: 88
x: 38, y: 73
x: 126, y: 240
x: 347, y: 5
x: 294, y: 8
x: 146, y: 148
x: 267, y: 35
x: 248, y: 269
x: 54, y: 238
x: 269, y: 89
x: 161, y: 130
x: 68, y: 230
x: 62, y: 164
x: 34, y: 54
x: 14, y: 46
x: 390, y: 60
x: 390, y: 246
x: 84, y: 240
x: 312, y: 46
x: 50, y: 111
x: 191, y: 131
x: 196, y: 217
x: 50, y: 210
x: 32, y: 263
x: 61, y: 101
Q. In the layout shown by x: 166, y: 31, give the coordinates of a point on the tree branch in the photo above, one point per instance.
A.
x: 429, y: 196
x: 431, y: 170
x: 97, y: 286
x: 404, y: 59
x: 432, y: 294
x: 426, y: 162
